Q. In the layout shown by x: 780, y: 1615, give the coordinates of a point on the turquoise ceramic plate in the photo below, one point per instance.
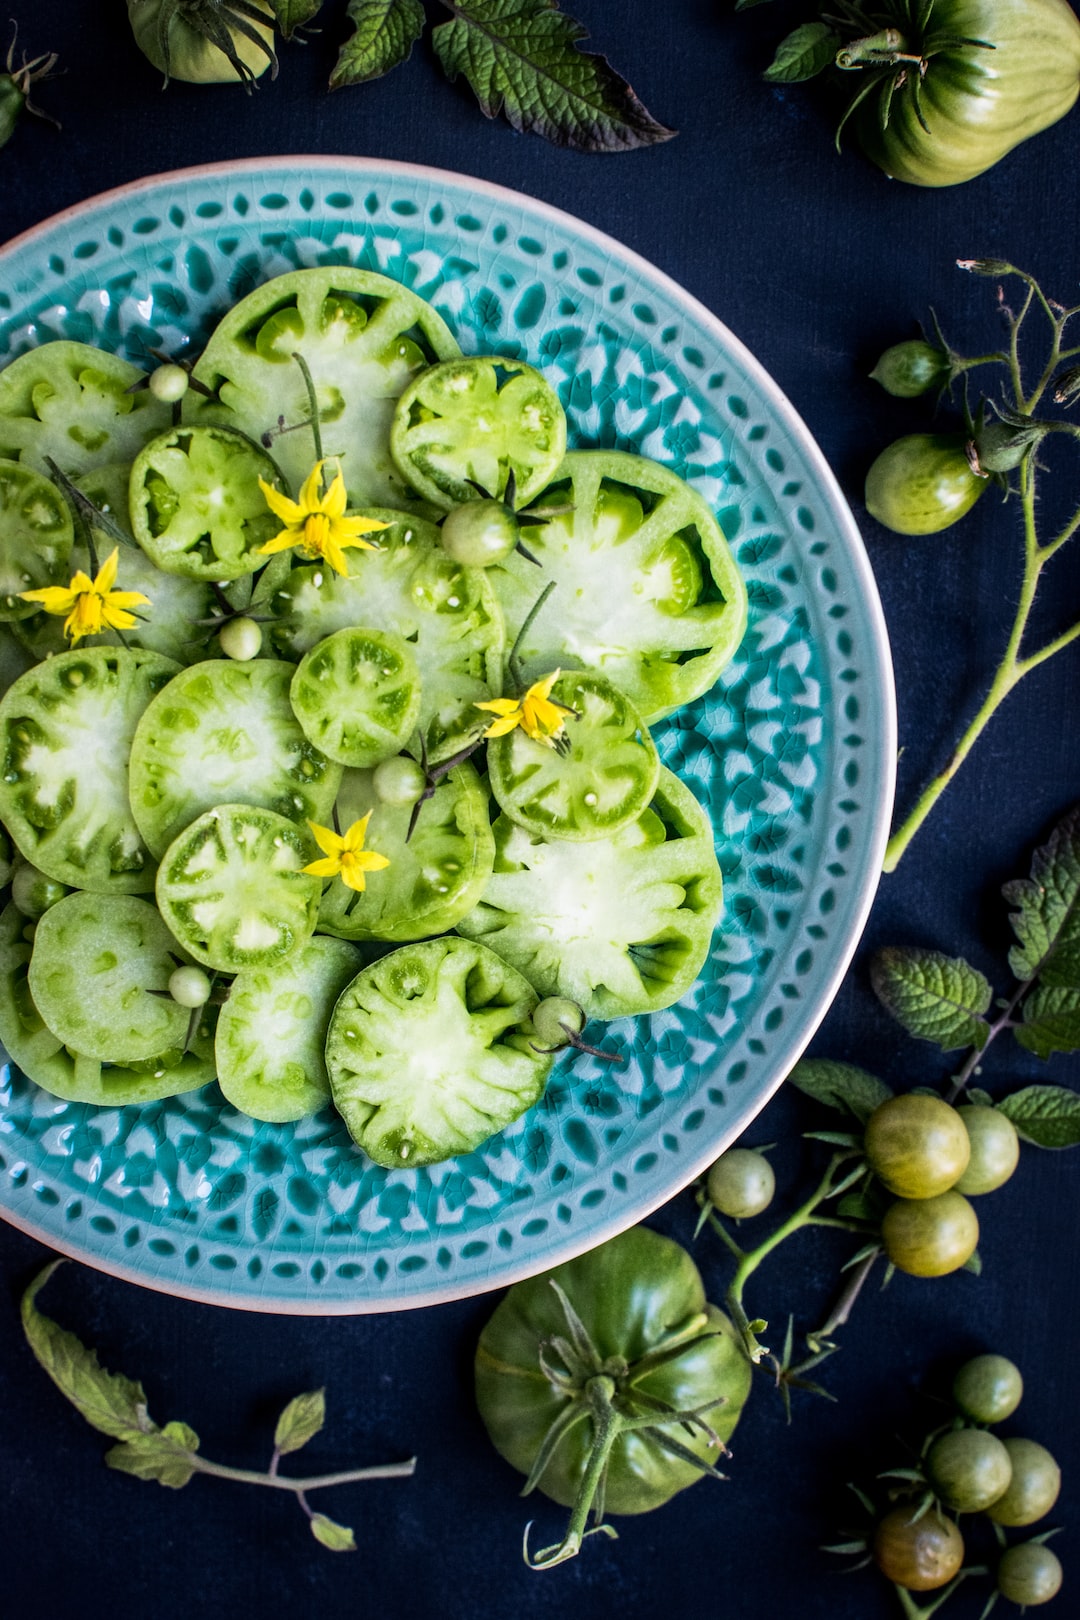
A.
x: 792, y: 752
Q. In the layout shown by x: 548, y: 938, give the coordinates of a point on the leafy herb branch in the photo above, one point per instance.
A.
x: 117, y: 1406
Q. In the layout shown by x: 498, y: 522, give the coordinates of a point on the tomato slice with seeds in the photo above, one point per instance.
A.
x: 36, y: 538
x: 357, y: 695
x: 70, y: 402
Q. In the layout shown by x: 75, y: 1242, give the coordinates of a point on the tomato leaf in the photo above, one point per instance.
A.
x: 806, y: 52
x: 520, y: 58
x: 293, y: 14
x: 936, y: 997
x: 1047, y: 917
x: 974, y: 1264
x: 1047, y: 1116
x: 385, y: 32
x: 338, y: 1537
x: 840, y: 1085
x: 1051, y: 1021
x: 166, y: 1456
x: 300, y: 1421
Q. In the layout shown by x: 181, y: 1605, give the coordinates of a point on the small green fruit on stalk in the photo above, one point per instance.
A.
x: 205, y: 41
x: 15, y: 85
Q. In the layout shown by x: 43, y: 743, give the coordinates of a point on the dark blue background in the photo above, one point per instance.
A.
x: 816, y: 262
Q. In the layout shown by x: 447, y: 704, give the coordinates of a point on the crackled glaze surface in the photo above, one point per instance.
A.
x: 792, y: 753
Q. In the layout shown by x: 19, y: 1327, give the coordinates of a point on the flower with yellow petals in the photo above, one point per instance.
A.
x: 538, y: 716
x: 91, y: 605
x: 316, y: 523
x: 346, y: 856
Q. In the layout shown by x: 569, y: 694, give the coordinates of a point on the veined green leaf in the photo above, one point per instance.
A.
x: 1051, y: 1021
x: 338, y: 1537
x: 807, y: 51
x: 936, y: 997
x: 840, y: 1085
x: 1048, y: 1116
x: 521, y: 58
x: 167, y: 1456
x: 1047, y: 917
x: 293, y: 14
x: 385, y: 32
x: 300, y: 1421
x: 108, y: 1401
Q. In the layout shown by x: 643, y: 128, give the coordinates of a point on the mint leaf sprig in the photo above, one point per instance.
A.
x: 117, y: 1406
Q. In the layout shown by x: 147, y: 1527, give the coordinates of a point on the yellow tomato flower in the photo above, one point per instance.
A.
x: 538, y: 716
x: 346, y: 856
x: 316, y: 523
x: 91, y: 605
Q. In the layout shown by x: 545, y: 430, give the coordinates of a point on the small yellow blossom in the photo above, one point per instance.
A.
x: 316, y: 523
x: 91, y: 605
x: 346, y: 856
x: 536, y: 713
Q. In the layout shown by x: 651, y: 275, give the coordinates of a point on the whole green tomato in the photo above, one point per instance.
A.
x: 995, y: 1149
x: 741, y: 1183
x: 988, y: 1389
x: 1029, y: 1574
x: 922, y: 483
x: 919, y: 1554
x: 187, y: 50
x: 916, y: 1145
x: 909, y: 369
x: 968, y: 1469
x: 929, y: 1237
x: 1034, y: 1487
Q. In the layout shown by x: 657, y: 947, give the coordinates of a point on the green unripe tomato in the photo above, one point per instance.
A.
x: 916, y: 1146
x: 995, y: 1149
x: 929, y: 1237
x: 741, y: 1183
x: 398, y: 781
x: 1029, y: 1574
x: 922, y: 484
x: 910, y: 369
x: 33, y: 892
x: 988, y: 1389
x: 551, y: 1014
x: 919, y: 1556
x: 968, y: 1469
x: 479, y: 533
x: 241, y: 639
x: 169, y: 383
x: 189, y: 987
x: 1034, y: 1487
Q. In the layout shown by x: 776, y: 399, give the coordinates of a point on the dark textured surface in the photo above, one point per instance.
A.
x: 816, y: 262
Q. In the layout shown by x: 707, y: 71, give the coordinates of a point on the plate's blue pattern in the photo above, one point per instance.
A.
x: 792, y: 752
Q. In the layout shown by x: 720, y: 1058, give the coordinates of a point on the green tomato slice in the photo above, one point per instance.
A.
x: 196, y: 506
x: 225, y: 733
x: 70, y: 402
x: 646, y: 589
x: 272, y: 1031
x: 96, y: 965
x: 476, y: 421
x: 363, y: 338
x: 233, y: 889
x: 72, y: 1076
x: 66, y: 729
x: 357, y: 695
x: 36, y: 537
x: 620, y: 925
x: 410, y: 587
x: 430, y: 1052
x: 434, y: 877
x: 602, y: 778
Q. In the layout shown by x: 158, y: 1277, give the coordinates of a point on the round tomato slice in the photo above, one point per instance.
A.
x: 69, y: 402
x: 363, y: 338
x: 357, y: 695
x: 36, y: 537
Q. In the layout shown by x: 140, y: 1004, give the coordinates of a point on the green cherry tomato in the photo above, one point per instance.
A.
x: 1029, y: 1574
x: 995, y: 1150
x: 190, y: 987
x: 241, y: 639
x: 922, y: 483
x: 916, y: 1145
x: 550, y: 1017
x: 988, y: 1389
x: 929, y: 1237
x: 33, y: 892
x: 398, y: 781
x: 168, y: 383
x: 919, y: 1554
x: 1033, y: 1490
x: 968, y: 1469
x: 910, y: 369
x: 741, y: 1183
x: 479, y: 533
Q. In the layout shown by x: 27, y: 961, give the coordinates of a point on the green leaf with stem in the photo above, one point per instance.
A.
x: 1046, y: 1116
x: 840, y: 1085
x: 291, y: 15
x: 1051, y: 1021
x: 300, y: 1422
x: 1046, y: 918
x: 936, y: 997
x: 337, y: 1537
x: 111, y: 1403
x: 384, y: 33
x: 806, y: 52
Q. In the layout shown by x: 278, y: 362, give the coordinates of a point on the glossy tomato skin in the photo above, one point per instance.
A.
x: 630, y: 1293
x: 922, y: 483
x: 978, y: 103
x: 917, y: 1145
x: 918, y: 1554
x: 929, y: 1237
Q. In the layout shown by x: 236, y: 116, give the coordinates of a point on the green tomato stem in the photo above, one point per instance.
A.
x: 916, y: 1611
x: 608, y: 1424
x: 317, y: 1482
x: 512, y: 661
x: 313, y: 405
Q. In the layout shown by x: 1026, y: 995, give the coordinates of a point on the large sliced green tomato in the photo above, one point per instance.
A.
x: 975, y: 103
x: 646, y: 590
x: 620, y: 925
x: 476, y: 421
x: 36, y: 537
x: 357, y: 695
x: 66, y: 728
x: 434, y: 877
x: 225, y: 733
x: 638, y: 1296
x: 70, y: 401
x: 363, y: 337
x: 410, y: 587
x: 196, y: 505
x: 431, y: 1051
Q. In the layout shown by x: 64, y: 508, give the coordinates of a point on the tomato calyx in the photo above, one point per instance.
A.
x: 21, y: 76
x: 217, y: 21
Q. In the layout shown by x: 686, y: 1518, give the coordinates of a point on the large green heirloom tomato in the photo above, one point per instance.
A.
x: 205, y: 41
x: 959, y: 92
x: 611, y: 1381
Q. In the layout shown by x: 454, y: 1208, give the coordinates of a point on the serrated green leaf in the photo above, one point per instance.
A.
x: 1048, y: 1116
x: 974, y: 1264
x: 300, y: 1421
x: 166, y: 1457
x: 806, y: 52
x: 338, y: 1537
x: 1047, y: 917
x: 293, y: 14
x: 520, y: 58
x: 384, y: 33
x: 840, y: 1085
x: 936, y: 997
x: 1051, y: 1021
x: 110, y: 1402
